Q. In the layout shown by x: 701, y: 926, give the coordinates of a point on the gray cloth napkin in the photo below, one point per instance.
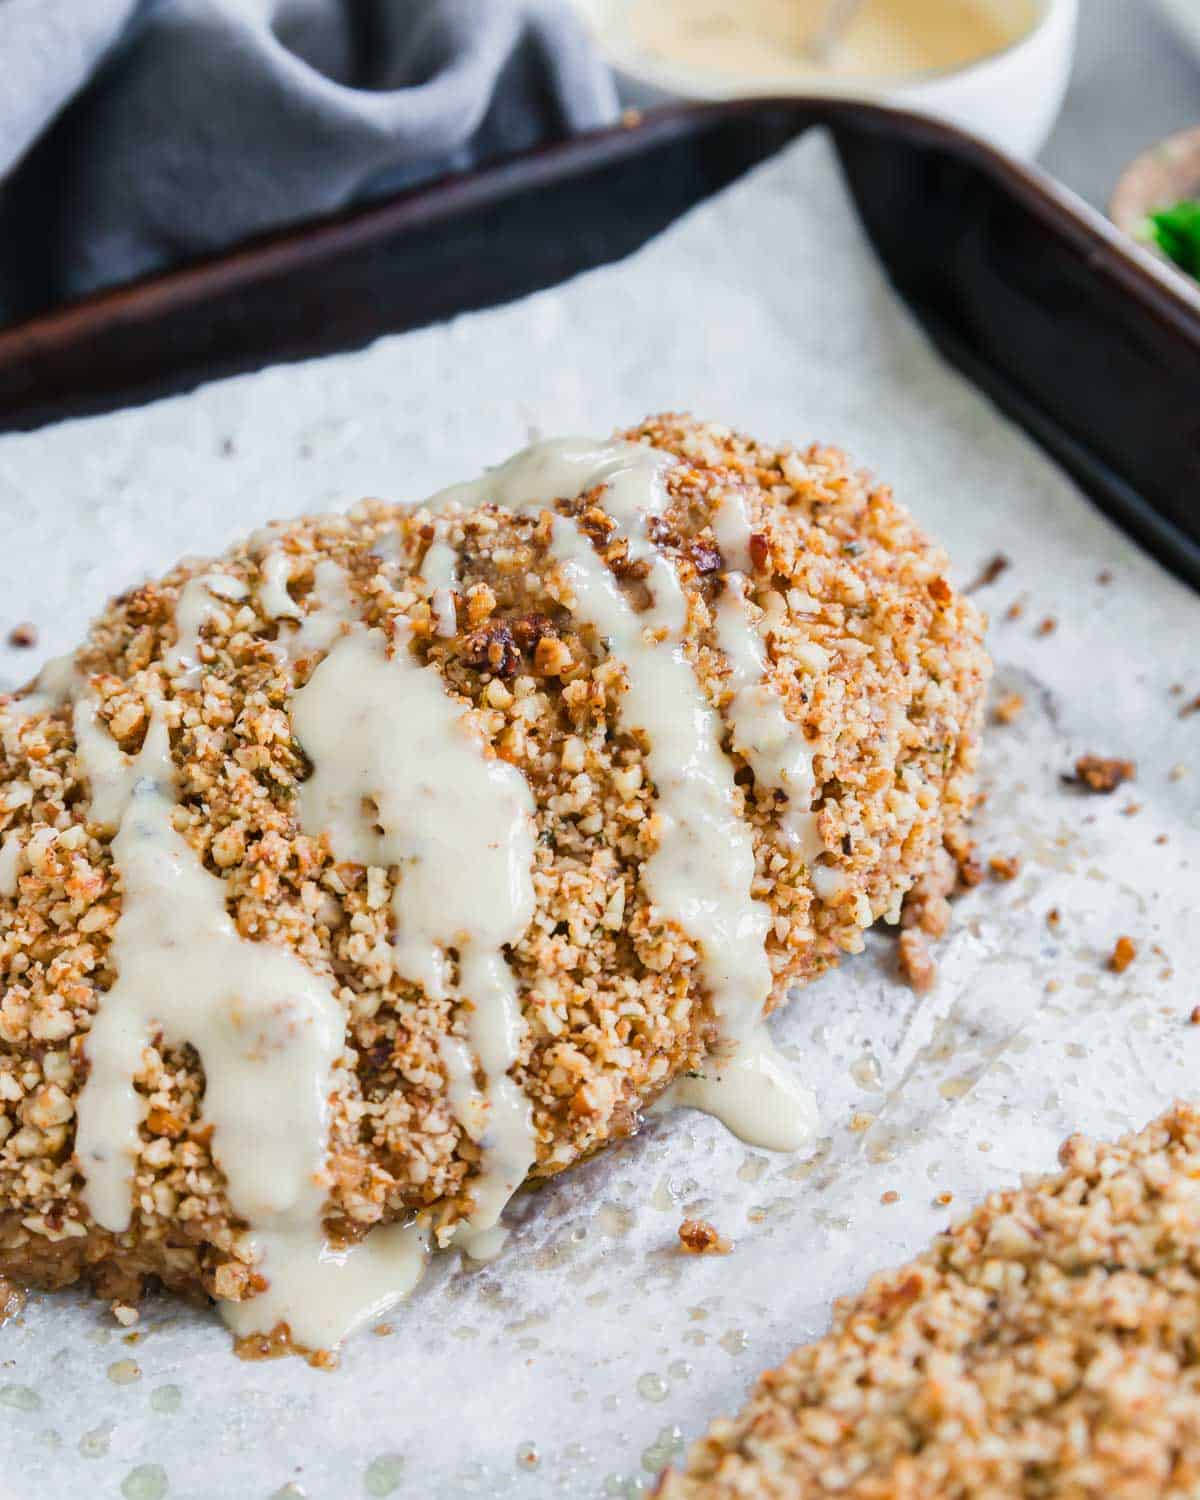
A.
x: 138, y: 133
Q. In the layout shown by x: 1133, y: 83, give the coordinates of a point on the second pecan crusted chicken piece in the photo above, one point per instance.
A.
x: 876, y: 661
x: 1045, y: 1348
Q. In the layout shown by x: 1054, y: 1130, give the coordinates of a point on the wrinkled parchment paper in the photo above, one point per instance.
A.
x: 574, y: 1364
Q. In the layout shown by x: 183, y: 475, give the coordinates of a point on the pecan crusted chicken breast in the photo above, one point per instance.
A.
x: 1043, y: 1347
x: 395, y: 857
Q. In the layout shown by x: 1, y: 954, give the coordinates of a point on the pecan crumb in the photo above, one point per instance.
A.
x: 1054, y: 917
x: 891, y: 1196
x: 1194, y: 1018
x: 1100, y: 773
x: 940, y: 592
x: 990, y: 571
x: 258, y: 1346
x: 699, y: 1237
x: 528, y: 629
x: 943, y: 1199
x: 1104, y: 576
x: 552, y: 657
x: 760, y: 551
x: 1015, y: 610
x: 24, y: 634
x: 597, y: 524
x: 491, y: 648
x: 662, y: 534
x: 1008, y: 708
x: 706, y: 558
x: 917, y: 964
x: 927, y: 904
x: 970, y: 871
x: 1123, y: 955
x: 1004, y: 866
x: 633, y: 569
x: 1047, y: 626
x: 161, y: 1121
x: 1191, y: 708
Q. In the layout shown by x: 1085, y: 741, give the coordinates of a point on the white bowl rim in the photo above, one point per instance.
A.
x: 680, y: 78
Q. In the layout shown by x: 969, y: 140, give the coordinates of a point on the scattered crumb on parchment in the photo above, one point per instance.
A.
x: 699, y: 1237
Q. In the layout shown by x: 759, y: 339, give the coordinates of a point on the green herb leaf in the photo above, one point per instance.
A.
x: 1176, y: 231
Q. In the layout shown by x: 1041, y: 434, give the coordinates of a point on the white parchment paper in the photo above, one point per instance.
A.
x: 573, y: 1364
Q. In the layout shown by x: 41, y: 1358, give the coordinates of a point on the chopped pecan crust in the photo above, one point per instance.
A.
x: 1043, y: 1348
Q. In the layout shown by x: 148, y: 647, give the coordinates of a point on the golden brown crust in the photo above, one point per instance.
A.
x: 882, y: 670
x: 1044, y: 1347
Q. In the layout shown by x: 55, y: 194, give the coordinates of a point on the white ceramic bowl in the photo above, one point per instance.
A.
x: 1184, y: 16
x: 1011, y: 98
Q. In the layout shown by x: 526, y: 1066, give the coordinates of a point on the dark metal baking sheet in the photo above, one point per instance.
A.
x: 1073, y: 331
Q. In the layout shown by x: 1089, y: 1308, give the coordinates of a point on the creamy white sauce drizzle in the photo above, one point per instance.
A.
x: 708, y: 894
x: 439, y: 568
x: 11, y: 852
x: 753, y: 1093
x: 445, y: 615
x: 324, y: 1294
x: 201, y: 600
x: 383, y: 733
x: 52, y: 687
x: 331, y: 605
x: 275, y: 567
x: 111, y: 775
x: 269, y: 1033
x: 762, y: 731
x: 829, y: 882
x: 388, y: 546
x: 57, y: 680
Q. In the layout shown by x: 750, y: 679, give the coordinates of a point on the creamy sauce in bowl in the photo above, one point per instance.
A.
x: 772, y: 40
